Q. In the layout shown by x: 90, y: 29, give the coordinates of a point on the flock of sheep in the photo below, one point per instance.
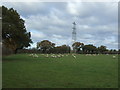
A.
x: 98, y: 54
x: 33, y: 55
x: 52, y: 55
x: 62, y: 55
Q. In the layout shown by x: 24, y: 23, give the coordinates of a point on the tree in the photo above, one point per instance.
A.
x: 45, y: 46
x: 102, y: 49
x: 62, y: 49
x: 77, y: 46
x: 119, y: 51
x: 89, y: 48
x: 14, y: 33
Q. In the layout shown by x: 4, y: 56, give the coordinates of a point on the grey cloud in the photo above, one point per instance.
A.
x: 96, y: 22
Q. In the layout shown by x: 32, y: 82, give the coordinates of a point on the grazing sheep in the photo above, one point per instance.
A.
x: 88, y: 55
x: 74, y: 56
x: 114, y: 57
x: 53, y: 55
x: 59, y: 56
x: 30, y: 54
x: 94, y: 54
x: 35, y: 55
x: 47, y: 55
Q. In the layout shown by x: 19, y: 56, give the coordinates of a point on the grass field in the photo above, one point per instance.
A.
x: 23, y: 71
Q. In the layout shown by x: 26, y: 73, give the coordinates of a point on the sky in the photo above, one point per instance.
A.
x: 96, y: 22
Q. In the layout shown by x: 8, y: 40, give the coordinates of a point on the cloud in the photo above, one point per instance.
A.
x: 96, y: 21
x: 57, y: 36
x: 27, y: 8
x: 36, y: 36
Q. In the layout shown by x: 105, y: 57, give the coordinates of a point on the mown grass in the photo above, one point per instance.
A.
x: 23, y: 71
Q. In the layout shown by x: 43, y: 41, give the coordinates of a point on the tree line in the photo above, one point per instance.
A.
x: 47, y: 47
x: 15, y: 38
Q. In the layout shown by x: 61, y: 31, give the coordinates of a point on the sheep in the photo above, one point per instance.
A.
x: 94, y: 54
x: 30, y: 54
x: 74, y: 56
x: 88, y: 54
x: 58, y: 56
x: 114, y: 57
x: 66, y: 55
x: 47, y: 55
x: 35, y: 55
x: 53, y: 56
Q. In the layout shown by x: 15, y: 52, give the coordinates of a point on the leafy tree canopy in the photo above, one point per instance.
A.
x: 45, y: 45
x: 14, y: 33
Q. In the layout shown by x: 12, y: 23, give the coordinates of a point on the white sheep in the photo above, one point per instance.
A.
x: 114, y: 57
x: 35, y: 55
x: 58, y: 56
x: 47, y: 55
x: 94, y: 54
x: 30, y: 54
x: 66, y: 55
x: 53, y: 56
x: 74, y: 56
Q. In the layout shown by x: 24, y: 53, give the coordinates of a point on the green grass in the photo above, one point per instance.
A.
x: 23, y: 71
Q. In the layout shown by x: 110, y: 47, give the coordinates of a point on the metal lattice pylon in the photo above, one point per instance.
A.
x: 74, y: 33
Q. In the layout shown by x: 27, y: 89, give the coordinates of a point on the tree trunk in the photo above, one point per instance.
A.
x: 15, y: 51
